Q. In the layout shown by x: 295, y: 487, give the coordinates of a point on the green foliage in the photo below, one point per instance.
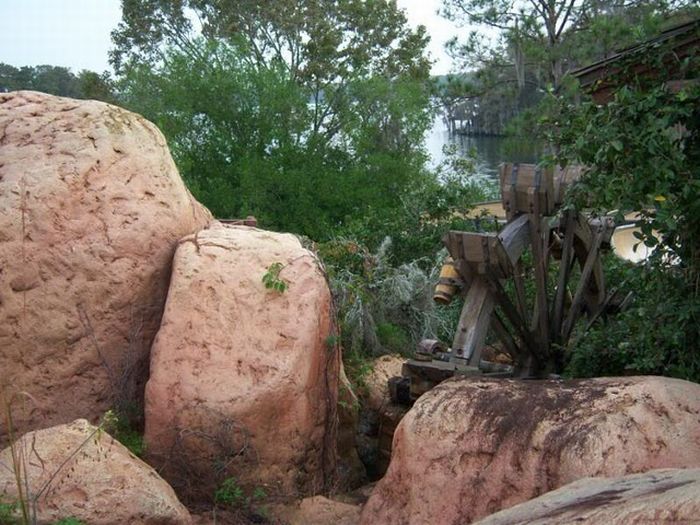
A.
x: 9, y: 513
x: 358, y: 366
x: 642, y: 151
x: 233, y: 496
x: 229, y: 493
x: 383, y: 272
x: 421, y: 216
x: 384, y: 307
x: 259, y: 494
x: 69, y: 521
x: 120, y: 429
x: 57, y: 80
x: 657, y: 335
x: 247, y: 139
x: 272, y: 280
x: 538, y: 44
x: 393, y: 338
x: 304, y: 113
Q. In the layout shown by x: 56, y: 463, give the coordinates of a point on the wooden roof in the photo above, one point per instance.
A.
x: 602, y: 78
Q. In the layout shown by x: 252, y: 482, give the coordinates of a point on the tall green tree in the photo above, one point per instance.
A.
x: 303, y: 113
x: 325, y: 45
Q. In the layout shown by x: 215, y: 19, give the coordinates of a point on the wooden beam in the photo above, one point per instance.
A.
x: 577, y: 301
x: 474, y: 322
x: 564, y: 272
x: 502, y: 333
x: 515, y: 237
x: 512, y: 314
x: 540, y: 271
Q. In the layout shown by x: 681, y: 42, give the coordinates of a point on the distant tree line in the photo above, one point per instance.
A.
x: 57, y: 80
x: 530, y: 47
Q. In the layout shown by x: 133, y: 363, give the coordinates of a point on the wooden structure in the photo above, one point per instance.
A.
x: 601, y: 79
x: 529, y: 284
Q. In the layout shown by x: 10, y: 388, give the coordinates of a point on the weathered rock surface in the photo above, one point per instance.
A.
x: 383, y: 368
x: 244, y: 379
x: 351, y: 471
x: 470, y: 448
x: 658, y: 496
x: 73, y: 470
x: 318, y: 510
x: 91, y: 208
x: 378, y: 416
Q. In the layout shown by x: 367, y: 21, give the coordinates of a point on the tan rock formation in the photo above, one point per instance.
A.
x: 74, y: 470
x: 318, y: 510
x: 669, y: 496
x: 244, y: 379
x: 91, y: 208
x: 351, y: 471
x: 383, y: 368
x: 470, y: 448
x: 379, y: 417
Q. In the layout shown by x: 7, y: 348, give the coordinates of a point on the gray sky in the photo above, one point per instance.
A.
x: 76, y: 33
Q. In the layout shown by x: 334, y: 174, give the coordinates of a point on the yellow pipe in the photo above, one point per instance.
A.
x: 447, y: 285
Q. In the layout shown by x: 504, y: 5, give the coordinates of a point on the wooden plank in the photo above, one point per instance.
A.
x: 577, y: 302
x: 539, y: 266
x: 511, y: 312
x: 504, y: 336
x: 520, y: 295
x: 472, y: 247
x: 583, y: 242
x: 465, y: 271
x: 564, y: 273
x: 508, y: 189
x: 474, y: 322
x: 515, y: 237
x: 452, y: 240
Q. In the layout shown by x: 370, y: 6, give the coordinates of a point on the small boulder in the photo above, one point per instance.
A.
x: 319, y: 510
x: 76, y: 470
x: 244, y: 378
x: 667, y: 496
x: 377, y: 391
x: 471, y: 447
x: 91, y: 209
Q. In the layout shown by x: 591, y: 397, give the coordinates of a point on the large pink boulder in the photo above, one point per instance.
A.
x: 244, y: 378
x: 471, y: 447
x: 91, y: 208
x: 668, y: 496
x: 77, y: 470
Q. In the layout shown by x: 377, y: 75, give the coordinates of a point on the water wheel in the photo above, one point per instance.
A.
x: 531, y: 282
x: 526, y: 286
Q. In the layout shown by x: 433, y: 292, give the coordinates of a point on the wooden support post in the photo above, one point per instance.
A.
x: 539, y: 268
x: 577, y: 301
x: 511, y: 312
x: 564, y: 272
x: 473, y: 322
x: 502, y: 333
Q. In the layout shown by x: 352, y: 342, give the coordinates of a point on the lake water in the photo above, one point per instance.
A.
x: 490, y: 151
